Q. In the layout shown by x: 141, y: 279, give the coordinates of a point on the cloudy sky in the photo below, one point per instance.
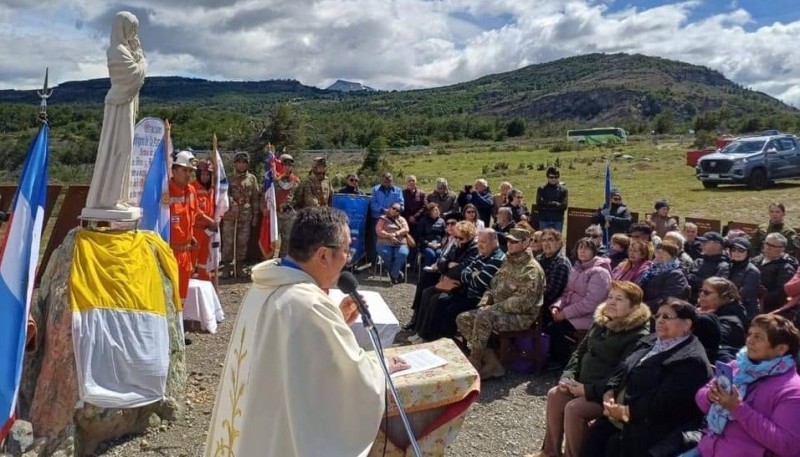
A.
x: 397, y: 44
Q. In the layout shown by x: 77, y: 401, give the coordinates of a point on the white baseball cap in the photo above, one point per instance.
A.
x: 185, y: 159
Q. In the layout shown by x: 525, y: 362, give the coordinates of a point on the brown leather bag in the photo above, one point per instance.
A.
x: 446, y: 284
x: 410, y: 241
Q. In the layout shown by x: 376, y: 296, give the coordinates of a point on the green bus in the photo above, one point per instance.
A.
x: 598, y: 135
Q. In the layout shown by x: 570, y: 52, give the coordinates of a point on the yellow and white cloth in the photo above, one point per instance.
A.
x: 119, y: 316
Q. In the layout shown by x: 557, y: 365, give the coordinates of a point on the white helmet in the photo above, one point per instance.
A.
x: 185, y: 159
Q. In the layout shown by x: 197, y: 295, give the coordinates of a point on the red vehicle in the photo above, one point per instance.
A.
x: 693, y: 156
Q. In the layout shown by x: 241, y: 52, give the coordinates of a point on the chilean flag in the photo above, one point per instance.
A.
x: 19, y: 258
x: 269, y: 223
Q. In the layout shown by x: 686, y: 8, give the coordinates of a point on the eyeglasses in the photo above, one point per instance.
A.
x: 738, y: 249
x: 470, y: 212
x: 353, y: 180
x: 774, y: 245
x: 666, y: 317
x: 451, y: 223
x: 349, y: 253
x: 706, y: 292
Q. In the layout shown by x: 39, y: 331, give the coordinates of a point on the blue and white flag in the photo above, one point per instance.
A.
x: 155, y: 195
x: 606, y: 238
x: 221, y: 206
x: 19, y: 258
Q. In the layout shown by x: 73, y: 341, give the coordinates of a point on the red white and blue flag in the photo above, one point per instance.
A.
x: 269, y: 223
x: 19, y: 258
x: 221, y: 206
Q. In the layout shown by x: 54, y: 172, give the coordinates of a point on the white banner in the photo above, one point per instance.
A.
x: 147, y: 135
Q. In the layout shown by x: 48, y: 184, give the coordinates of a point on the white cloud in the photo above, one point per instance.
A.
x: 389, y: 43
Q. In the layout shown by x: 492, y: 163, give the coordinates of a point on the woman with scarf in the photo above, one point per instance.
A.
x: 665, y: 278
x: 759, y: 415
x: 651, y: 394
x: 640, y: 254
x: 744, y: 274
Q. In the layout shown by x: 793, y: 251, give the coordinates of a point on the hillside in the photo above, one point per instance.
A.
x: 594, y: 88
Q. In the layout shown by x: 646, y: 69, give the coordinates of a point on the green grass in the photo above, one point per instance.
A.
x: 654, y: 172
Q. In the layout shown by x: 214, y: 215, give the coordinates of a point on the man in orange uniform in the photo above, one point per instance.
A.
x: 183, y: 211
x: 205, y: 217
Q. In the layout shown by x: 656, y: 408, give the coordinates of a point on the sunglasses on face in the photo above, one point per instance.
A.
x: 355, y: 181
x: 451, y: 223
x: 470, y: 212
x: 738, y: 249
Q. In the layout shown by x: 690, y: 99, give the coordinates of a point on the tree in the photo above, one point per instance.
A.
x: 664, y: 122
x: 285, y: 128
x: 375, y: 163
x: 516, y: 127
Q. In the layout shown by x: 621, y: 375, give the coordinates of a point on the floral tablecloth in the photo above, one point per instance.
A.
x: 436, y: 401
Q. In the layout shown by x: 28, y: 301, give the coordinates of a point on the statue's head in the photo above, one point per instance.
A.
x: 125, y: 31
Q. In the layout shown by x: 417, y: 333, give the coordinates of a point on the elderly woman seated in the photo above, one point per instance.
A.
x: 618, y: 249
x: 618, y: 325
x: 719, y: 299
x: 431, y: 236
x: 665, y: 278
x: 758, y: 415
x: 586, y: 288
x: 652, y: 392
x: 684, y: 257
x: 640, y: 257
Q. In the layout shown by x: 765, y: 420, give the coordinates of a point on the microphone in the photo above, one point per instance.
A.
x: 349, y: 284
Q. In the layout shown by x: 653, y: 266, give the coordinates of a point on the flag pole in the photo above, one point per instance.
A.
x: 168, y: 146
x: 214, y: 178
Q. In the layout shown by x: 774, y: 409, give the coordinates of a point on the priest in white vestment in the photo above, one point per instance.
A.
x: 295, y: 382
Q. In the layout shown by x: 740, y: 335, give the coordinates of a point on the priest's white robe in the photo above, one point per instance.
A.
x: 295, y: 382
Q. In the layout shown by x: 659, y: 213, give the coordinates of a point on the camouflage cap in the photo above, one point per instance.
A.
x: 518, y: 234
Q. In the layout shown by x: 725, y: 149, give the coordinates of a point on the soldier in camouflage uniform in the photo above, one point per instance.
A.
x: 511, y: 303
x: 285, y: 189
x: 316, y: 189
x: 244, y: 193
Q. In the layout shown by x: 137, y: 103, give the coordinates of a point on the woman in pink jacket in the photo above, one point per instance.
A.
x: 587, y: 287
x: 759, y: 415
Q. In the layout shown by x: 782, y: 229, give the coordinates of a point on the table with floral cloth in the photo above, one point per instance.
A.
x: 436, y: 401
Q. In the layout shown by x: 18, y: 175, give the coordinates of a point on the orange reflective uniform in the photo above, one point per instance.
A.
x: 205, y: 205
x: 183, y: 212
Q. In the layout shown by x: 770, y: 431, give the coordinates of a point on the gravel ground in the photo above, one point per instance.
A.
x: 507, y: 420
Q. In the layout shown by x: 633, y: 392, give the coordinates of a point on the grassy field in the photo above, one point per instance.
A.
x: 651, y: 173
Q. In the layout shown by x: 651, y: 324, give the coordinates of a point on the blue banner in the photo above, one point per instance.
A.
x: 355, y: 206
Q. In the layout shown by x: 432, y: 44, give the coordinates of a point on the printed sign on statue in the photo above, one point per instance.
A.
x: 147, y: 135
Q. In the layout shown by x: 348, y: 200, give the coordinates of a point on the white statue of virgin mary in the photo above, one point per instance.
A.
x: 108, y: 193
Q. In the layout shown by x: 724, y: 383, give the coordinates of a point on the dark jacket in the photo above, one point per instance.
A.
x: 517, y: 211
x: 774, y: 275
x: 694, y: 248
x: 446, y: 201
x: 551, y: 202
x: 463, y: 255
x: 659, y: 391
x: 485, y: 267
x: 429, y: 229
x: 484, y: 202
x: 616, y: 257
x: 350, y: 190
x: 704, y: 268
x: 747, y: 278
x: 733, y: 330
x: 620, y: 218
x: 556, y: 272
x: 607, y: 344
x: 670, y: 284
x: 501, y: 235
x: 414, y: 204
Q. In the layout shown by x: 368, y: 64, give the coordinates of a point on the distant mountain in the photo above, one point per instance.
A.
x: 589, y: 89
x: 348, y: 86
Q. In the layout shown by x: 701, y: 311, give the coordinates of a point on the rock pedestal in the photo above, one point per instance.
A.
x: 49, y: 392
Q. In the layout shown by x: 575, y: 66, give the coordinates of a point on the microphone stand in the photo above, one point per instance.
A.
x: 366, y: 318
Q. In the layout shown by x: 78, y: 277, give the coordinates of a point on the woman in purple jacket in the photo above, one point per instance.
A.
x: 587, y: 287
x: 759, y: 416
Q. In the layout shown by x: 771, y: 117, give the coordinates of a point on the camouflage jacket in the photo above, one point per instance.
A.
x: 518, y: 288
x: 313, y: 191
x: 765, y: 229
x: 244, y: 189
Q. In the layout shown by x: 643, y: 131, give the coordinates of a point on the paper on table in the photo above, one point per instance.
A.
x: 421, y: 360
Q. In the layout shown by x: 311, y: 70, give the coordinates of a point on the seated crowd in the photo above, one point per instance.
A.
x: 637, y: 323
